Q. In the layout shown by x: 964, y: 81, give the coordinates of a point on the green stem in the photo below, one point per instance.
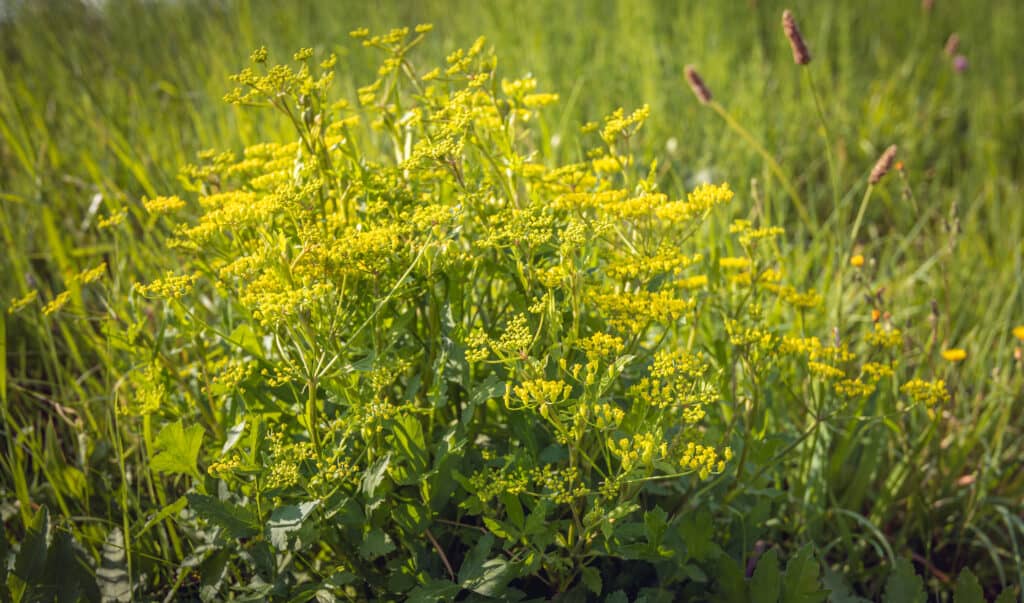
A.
x: 773, y: 165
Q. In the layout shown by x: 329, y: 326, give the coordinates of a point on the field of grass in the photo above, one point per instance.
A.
x: 100, y: 108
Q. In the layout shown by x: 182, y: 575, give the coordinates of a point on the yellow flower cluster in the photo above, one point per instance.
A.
x: 21, y: 302
x: 57, y: 303
x: 924, y: 392
x: 642, y: 449
x: 703, y: 459
x: 163, y: 205
x: 602, y: 346
x: 885, y: 338
x: 171, y: 286
x: 633, y: 311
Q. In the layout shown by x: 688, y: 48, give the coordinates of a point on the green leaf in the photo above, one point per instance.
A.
x: 591, y: 579
x: 376, y: 544
x: 655, y: 524
x: 968, y: 590
x: 766, y: 585
x: 375, y: 474
x: 112, y: 574
x: 237, y: 521
x: 840, y: 591
x: 730, y: 587
x: 30, y: 562
x: 801, y: 584
x: 904, y: 585
x: 234, y: 434
x: 178, y: 449
x: 481, y: 575
x: 433, y: 591
x: 1007, y: 596
x: 408, y: 441
x: 286, y: 525
x: 171, y: 509
x: 696, y: 531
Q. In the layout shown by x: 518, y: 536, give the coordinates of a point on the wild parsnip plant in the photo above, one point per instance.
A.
x: 426, y: 338
x: 451, y: 363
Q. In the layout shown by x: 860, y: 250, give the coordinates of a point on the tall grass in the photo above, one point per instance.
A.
x: 99, y: 108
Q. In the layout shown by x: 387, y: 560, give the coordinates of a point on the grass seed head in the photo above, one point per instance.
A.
x: 883, y: 165
x: 952, y: 44
x: 700, y: 89
x: 801, y: 56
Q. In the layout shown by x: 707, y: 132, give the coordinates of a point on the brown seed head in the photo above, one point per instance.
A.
x: 801, y: 56
x: 883, y: 165
x: 952, y: 44
x: 927, y: 5
x: 700, y: 90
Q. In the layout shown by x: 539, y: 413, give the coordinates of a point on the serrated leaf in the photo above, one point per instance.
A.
x: 839, y: 591
x: 968, y: 590
x: 112, y: 574
x: 178, y: 449
x: 234, y: 434
x: 433, y: 591
x: 904, y: 585
x: 730, y: 587
x: 766, y: 584
x: 1007, y: 596
x: 482, y: 575
x: 591, y: 579
x: 376, y: 544
x: 375, y: 474
x: 696, y: 531
x: 171, y: 509
x: 655, y: 524
x: 285, y: 524
x: 474, y: 560
x: 237, y: 521
x: 801, y: 584
x: 30, y: 562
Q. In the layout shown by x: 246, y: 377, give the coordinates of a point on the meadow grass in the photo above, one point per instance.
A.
x: 99, y: 108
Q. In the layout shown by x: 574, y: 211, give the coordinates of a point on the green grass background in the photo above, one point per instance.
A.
x: 100, y: 107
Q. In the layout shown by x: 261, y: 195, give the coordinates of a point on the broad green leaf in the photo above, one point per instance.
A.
x: 482, y: 575
x: 655, y: 523
x: 171, y: 509
x: 376, y: 544
x: 730, y: 586
x: 410, y: 445
x: 375, y: 474
x: 591, y: 579
x: 234, y: 434
x: 840, y: 591
x: 433, y: 591
x: 904, y: 585
x: 1007, y: 596
x: 766, y: 585
x: 237, y: 521
x: 968, y: 590
x: 696, y: 530
x: 801, y: 584
x: 178, y: 449
x: 112, y: 574
x: 285, y: 525
x: 30, y: 562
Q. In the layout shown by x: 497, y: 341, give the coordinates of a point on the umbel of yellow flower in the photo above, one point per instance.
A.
x: 857, y: 261
x: 954, y: 354
x: 1018, y: 332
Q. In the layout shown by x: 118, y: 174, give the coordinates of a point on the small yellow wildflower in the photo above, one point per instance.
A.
x: 163, y: 205
x: 954, y: 354
x: 857, y: 261
x: 18, y: 304
x: 1018, y: 332
x: 57, y: 303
